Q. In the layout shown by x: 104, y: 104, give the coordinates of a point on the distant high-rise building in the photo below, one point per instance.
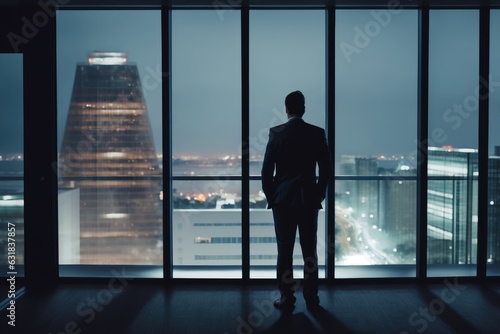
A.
x: 452, y: 205
x: 361, y: 195
x: 497, y: 151
x: 494, y: 210
x: 108, y: 154
x: 400, y: 208
x: 385, y: 202
x: 11, y: 212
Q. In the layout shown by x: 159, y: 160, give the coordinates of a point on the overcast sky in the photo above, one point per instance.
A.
x: 376, y: 75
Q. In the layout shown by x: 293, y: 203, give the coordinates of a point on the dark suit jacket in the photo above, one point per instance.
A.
x: 294, y: 149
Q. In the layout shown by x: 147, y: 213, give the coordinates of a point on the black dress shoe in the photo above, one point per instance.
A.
x: 285, y: 303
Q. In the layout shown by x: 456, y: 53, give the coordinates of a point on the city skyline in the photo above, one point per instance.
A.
x: 397, y: 33
x: 75, y: 41
x: 375, y: 119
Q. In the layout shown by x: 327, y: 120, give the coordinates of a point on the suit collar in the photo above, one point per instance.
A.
x: 294, y: 119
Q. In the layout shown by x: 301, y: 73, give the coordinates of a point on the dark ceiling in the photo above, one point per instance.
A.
x: 257, y: 3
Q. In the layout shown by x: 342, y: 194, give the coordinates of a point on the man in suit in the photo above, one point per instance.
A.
x: 294, y: 150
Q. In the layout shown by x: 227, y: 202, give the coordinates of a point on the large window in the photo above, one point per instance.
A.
x: 287, y: 53
x: 110, y: 114
x: 493, y: 252
x: 376, y: 53
x: 109, y: 142
x: 453, y: 143
x: 11, y: 166
x: 206, y: 144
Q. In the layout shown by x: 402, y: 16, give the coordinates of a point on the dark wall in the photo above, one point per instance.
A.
x: 31, y: 31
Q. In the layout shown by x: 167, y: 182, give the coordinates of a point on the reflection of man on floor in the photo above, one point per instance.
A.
x: 294, y: 149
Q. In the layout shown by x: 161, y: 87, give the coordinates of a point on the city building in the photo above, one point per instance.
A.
x: 11, y: 220
x: 379, y: 196
x: 494, y: 208
x: 108, y: 155
x: 399, y: 209
x: 361, y: 195
x: 452, y: 205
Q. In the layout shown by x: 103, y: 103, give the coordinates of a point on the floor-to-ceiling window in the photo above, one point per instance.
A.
x: 376, y: 59
x: 109, y: 78
x: 110, y: 167
x: 206, y: 143
x: 493, y: 251
x: 11, y: 166
x: 453, y: 142
x: 287, y: 53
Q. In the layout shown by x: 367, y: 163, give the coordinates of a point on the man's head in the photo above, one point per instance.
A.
x: 295, y: 104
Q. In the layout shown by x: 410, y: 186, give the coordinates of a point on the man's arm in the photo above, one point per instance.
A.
x: 267, y: 172
x: 325, y: 166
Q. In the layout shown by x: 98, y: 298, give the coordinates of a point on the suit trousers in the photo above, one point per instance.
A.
x: 286, y: 221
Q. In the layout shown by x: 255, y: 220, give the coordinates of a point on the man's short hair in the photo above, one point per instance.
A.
x: 295, y: 103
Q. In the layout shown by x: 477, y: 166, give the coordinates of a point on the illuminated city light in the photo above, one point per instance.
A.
x: 16, y: 202
x: 115, y: 215
x: 107, y: 58
x: 114, y: 155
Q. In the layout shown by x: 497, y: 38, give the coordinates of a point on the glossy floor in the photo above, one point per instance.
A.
x: 130, y: 306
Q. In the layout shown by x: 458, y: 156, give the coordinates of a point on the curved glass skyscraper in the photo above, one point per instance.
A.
x: 109, y: 166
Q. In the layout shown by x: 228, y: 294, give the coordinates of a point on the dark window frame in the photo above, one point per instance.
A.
x: 41, y: 181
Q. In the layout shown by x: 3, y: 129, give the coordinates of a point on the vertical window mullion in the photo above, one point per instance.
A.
x: 330, y: 121
x: 167, y: 142
x: 484, y: 68
x: 245, y: 137
x: 423, y: 126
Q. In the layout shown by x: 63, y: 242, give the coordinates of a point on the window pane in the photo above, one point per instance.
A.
x: 206, y: 229
x: 206, y: 142
x: 11, y: 166
x: 452, y: 160
x: 376, y: 130
x: 287, y: 53
x: 493, y: 256
x: 109, y: 139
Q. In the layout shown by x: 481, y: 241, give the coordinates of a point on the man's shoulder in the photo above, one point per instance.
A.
x: 278, y: 128
x: 314, y: 128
